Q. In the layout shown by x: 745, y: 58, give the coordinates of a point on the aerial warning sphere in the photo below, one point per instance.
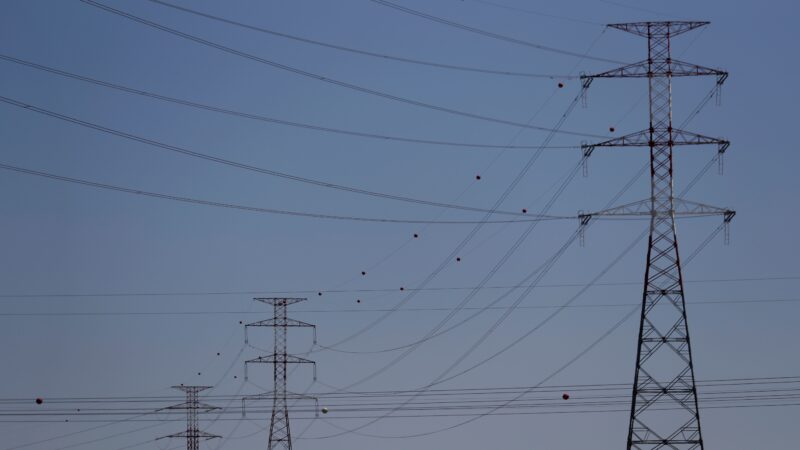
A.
x: 524, y: 211
x: 611, y: 129
x: 324, y: 410
x: 363, y: 272
x: 560, y: 85
x: 458, y: 259
x: 565, y: 396
x: 416, y: 235
x: 39, y: 401
x: 477, y: 177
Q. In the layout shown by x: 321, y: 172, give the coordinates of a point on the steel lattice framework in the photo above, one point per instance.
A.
x: 193, y: 434
x: 664, y: 367
x: 280, y: 436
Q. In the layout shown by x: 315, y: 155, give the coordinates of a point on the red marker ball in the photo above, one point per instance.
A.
x: 402, y: 288
x: 416, y: 235
x: 611, y: 129
x: 39, y: 401
x: 524, y: 211
x: 477, y: 177
x: 565, y: 396
x: 358, y: 301
x: 560, y: 85
x: 319, y: 293
x: 363, y: 272
x: 458, y: 259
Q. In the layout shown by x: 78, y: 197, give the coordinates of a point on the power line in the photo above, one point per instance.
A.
x: 489, y: 34
x: 373, y: 310
x: 382, y: 56
x: 378, y: 290
x: 238, y: 165
x: 536, y: 13
x: 256, y: 209
x: 262, y: 118
x: 459, y: 247
x: 325, y: 79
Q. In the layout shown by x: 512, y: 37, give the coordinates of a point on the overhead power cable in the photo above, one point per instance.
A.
x: 238, y: 165
x: 763, y: 301
x: 536, y: 13
x: 459, y: 247
x: 325, y: 79
x: 490, y: 34
x: 382, y: 56
x: 394, y: 289
x: 262, y: 118
x: 256, y: 209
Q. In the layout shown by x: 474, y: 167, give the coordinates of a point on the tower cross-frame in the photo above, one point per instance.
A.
x: 280, y: 436
x: 664, y: 406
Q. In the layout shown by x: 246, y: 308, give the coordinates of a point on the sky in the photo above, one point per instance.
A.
x: 109, y: 296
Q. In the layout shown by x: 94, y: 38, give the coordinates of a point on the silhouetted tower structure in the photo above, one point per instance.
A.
x: 664, y: 407
x: 280, y: 436
x: 193, y: 434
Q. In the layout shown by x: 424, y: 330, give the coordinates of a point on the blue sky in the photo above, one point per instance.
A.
x: 68, y: 247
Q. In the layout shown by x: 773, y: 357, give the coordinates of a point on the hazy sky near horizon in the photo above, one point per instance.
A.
x: 110, y: 294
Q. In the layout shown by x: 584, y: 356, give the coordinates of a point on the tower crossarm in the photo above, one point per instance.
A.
x: 681, y: 207
x: 671, y: 137
x: 196, y: 434
x: 280, y: 323
x: 279, y: 358
x: 666, y: 28
x: 187, y: 406
x: 659, y: 68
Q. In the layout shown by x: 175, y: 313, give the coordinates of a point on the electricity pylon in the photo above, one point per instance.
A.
x: 193, y: 434
x: 280, y: 436
x: 664, y: 406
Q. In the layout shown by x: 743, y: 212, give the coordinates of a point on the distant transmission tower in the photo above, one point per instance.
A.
x: 280, y: 436
x: 192, y: 406
x: 664, y: 409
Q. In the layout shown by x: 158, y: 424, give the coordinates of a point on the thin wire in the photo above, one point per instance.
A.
x: 381, y: 56
x: 238, y: 165
x: 262, y: 118
x: 314, y: 76
x: 489, y: 34
x: 256, y: 209
x: 346, y: 291
x: 537, y: 13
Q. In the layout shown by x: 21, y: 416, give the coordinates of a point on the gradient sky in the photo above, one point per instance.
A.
x: 66, y: 248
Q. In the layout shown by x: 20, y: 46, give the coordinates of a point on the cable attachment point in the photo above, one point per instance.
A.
x: 583, y: 222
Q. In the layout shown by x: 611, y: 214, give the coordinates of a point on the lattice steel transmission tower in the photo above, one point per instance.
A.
x: 193, y: 434
x: 280, y: 436
x: 664, y: 407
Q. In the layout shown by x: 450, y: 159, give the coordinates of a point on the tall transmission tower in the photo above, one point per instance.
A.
x: 280, y: 436
x: 192, y: 405
x: 664, y: 407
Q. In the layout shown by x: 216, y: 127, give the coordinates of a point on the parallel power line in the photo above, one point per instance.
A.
x: 489, y: 34
x: 267, y: 119
x: 382, y: 56
x: 256, y: 209
x: 249, y: 167
x: 325, y: 79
